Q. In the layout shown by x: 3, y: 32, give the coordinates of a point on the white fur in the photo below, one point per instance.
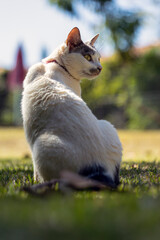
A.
x: 61, y: 130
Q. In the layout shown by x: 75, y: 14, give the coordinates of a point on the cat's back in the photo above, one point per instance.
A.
x: 48, y: 104
x: 43, y: 91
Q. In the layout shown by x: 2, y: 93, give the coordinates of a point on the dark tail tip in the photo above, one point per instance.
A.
x: 99, y: 174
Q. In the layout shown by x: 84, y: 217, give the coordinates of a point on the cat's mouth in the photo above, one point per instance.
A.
x: 95, y: 74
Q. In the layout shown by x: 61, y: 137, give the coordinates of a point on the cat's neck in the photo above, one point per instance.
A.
x: 57, y: 71
x: 65, y: 77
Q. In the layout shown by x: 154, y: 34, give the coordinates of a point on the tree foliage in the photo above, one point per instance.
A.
x: 127, y: 93
x: 143, y: 110
x: 122, y: 24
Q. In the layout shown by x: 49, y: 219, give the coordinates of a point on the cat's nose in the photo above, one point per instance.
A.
x: 99, y: 68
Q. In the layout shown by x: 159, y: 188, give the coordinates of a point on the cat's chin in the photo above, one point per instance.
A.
x: 91, y: 76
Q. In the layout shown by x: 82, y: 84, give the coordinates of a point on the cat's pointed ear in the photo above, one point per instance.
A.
x: 93, y: 40
x: 74, y: 38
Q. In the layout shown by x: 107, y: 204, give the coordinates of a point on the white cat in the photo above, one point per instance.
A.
x: 62, y: 132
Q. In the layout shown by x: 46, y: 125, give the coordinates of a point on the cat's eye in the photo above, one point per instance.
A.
x: 88, y: 57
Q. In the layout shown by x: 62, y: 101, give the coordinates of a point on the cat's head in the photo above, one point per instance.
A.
x: 82, y: 60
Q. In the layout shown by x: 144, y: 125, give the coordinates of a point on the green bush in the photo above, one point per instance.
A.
x: 127, y: 93
x: 3, y: 93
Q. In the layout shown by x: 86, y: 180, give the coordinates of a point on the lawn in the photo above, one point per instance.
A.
x: 130, y: 212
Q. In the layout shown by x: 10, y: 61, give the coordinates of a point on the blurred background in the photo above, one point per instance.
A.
x: 127, y: 93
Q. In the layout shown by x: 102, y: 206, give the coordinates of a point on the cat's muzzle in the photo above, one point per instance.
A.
x: 95, y: 71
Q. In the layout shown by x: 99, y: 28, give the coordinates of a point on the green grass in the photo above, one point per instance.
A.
x: 130, y: 212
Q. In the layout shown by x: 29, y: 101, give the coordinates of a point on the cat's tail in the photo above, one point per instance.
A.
x: 99, y: 173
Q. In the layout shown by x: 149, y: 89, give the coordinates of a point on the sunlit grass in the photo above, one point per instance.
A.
x: 140, y: 145
x: 13, y: 143
x: 137, y: 145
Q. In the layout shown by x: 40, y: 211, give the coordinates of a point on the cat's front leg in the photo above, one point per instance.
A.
x: 36, y: 176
